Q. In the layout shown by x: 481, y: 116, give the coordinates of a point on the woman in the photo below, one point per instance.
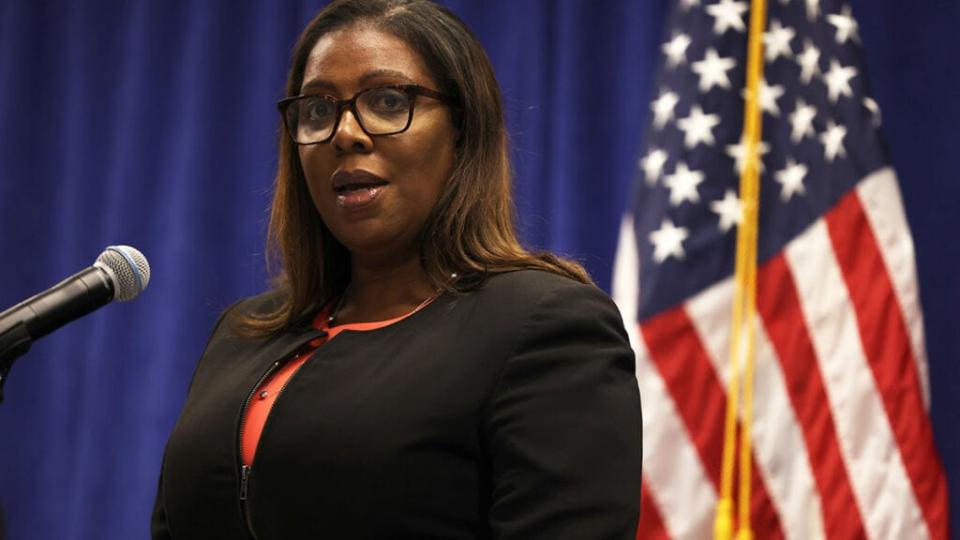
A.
x: 494, y: 394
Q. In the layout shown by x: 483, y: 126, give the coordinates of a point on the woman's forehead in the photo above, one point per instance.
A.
x: 359, y: 55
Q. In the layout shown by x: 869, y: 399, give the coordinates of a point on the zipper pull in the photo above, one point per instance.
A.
x: 244, y: 476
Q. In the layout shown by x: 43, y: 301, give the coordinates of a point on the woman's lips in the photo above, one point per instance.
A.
x: 359, y: 197
x: 357, y: 189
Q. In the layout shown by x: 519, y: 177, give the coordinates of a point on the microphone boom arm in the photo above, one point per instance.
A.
x: 43, y: 313
x: 14, y: 342
x: 119, y: 273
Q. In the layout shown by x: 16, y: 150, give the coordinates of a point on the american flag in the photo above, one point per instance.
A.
x: 842, y: 445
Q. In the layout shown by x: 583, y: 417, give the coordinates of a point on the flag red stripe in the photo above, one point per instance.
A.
x: 701, y: 400
x: 651, y: 525
x: 779, y: 306
x: 886, y: 344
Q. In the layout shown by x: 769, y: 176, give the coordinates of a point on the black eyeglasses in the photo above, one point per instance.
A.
x: 384, y: 110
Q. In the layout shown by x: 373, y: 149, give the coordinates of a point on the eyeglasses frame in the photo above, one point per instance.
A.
x: 412, y: 91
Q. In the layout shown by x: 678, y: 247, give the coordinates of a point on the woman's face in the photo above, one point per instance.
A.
x: 375, y: 193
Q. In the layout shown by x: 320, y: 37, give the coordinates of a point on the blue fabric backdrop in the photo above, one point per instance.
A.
x: 152, y: 123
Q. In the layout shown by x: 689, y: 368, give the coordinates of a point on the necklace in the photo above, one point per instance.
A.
x: 336, y: 309
x: 332, y: 319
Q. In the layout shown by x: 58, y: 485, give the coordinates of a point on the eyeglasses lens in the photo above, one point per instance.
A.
x: 381, y: 111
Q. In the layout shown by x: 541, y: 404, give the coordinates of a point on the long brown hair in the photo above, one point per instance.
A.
x: 470, y: 231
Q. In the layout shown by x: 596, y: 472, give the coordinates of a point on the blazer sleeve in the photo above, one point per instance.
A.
x: 563, y: 427
x: 159, y: 526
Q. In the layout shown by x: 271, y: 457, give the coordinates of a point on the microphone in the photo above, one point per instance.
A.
x: 119, y: 273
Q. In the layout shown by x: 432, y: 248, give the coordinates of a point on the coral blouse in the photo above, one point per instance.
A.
x: 266, y: 395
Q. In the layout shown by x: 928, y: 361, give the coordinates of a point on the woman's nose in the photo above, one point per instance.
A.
x: 349, y: 135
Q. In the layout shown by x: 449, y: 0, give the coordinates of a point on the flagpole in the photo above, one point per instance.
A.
x: 744, y: 306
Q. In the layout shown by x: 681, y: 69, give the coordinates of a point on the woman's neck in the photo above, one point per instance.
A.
x: 383, y: 291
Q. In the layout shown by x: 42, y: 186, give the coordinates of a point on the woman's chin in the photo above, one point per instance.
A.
x: 374, y: 239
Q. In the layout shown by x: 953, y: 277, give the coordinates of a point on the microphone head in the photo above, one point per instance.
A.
x: 128, y: 268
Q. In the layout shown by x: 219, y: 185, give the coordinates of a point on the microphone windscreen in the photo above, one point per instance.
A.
x: 129, y: 268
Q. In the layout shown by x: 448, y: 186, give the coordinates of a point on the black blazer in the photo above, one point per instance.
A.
x: 510, y: 412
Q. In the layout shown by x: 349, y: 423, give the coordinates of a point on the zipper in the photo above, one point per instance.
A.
x: 246, y: 469
x: 244, y: 477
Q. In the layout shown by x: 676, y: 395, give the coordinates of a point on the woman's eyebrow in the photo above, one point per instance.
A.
x: 378, y: 73
x: 317, y: 84
x: 323, y: 84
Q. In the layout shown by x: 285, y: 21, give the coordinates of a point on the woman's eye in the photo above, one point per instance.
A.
x: 388, y: 101
x: 319, y: 109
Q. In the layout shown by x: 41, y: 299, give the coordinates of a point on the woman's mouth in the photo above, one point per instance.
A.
x: 357, y: 189
x: 355, y: 196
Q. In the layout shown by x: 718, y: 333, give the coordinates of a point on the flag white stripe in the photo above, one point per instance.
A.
x: 867, y: 445
x: 882, y: 204
x: 776, y: 429
x: 626, y: 272
x: 787, y: 473
x: 672, y: 469
x: 671, y: 466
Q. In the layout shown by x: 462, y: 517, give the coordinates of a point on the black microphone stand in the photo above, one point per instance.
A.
x: 14, y: 342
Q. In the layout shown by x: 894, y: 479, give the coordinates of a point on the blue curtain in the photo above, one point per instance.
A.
x: 152, y: 123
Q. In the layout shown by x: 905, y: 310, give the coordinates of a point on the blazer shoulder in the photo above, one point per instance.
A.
x: 532, y: 286
x: 548, y: 301
x: 526, y: 281
x: 261, y: 304
x: 228, y: 325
